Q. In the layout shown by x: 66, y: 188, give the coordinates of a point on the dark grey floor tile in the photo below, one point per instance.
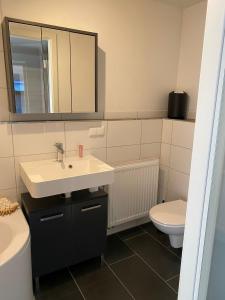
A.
x: 116, y: 249
x: 130, y: 232
x: 161, y: 237
x: 174, y: 282
x: 141, y: 280
x: 73, y: 296
x: 97, y: 282
x: 177, y: 251
x: 58, y: 285
x: 157, y: 256
x: 155, y: 233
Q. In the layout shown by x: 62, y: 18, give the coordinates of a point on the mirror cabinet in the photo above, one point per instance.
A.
x: 50, y: 69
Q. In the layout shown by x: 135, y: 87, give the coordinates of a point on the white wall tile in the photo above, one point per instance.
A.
x: 180, y: 159
x: 6, y: 145
x: 2, y: 72
x: 99, y: 153
x: 177, y: 186
x: 7, y: 176
x: 150, y: 150
x: 4, y: 107
x: 167, y: 131
x: 121, y: 133
x: 151, y: 131
x: 37, y: 138
x: 78, y: 133
x: 165, y: 154
x: 183, y: 133
x: 11, y: 194
x: 34, y: 141
x: 123, y: 153
x: 163, y: 182
x: 21, y: 189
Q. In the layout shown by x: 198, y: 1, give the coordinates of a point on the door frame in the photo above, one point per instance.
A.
x: 206, y: 129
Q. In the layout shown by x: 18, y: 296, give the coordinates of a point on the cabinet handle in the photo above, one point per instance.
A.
x: 91, y: 208
x: 45, y: 219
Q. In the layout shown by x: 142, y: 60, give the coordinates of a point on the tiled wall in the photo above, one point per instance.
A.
x: 122, y: 141
x: 175, y: 159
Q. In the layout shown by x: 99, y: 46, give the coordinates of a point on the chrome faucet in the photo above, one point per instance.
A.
x: 60, y: 151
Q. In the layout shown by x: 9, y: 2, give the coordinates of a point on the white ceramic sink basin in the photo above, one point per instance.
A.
x: 49, y: 177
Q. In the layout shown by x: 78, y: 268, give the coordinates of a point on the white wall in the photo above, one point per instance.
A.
x: 139, y: 39
x: 193, y: 23
x: 148, y: 48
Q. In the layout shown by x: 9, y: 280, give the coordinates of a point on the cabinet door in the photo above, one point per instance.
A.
x: 64, y: 79
x: 27, y: 69
x: 89, y: 229
x: 50, y: 59
x: 50, y: 234
x: 83, y: 77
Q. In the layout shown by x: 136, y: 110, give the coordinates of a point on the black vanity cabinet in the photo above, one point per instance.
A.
x: 65, y: 231
x: 89, y: 225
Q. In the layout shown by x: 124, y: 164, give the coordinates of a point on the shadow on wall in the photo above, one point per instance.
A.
x: 100, y: 96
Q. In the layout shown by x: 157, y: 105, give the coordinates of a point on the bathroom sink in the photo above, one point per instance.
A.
x: 50, y: 177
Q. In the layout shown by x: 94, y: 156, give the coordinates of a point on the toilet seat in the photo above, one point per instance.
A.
x: 169, y: 213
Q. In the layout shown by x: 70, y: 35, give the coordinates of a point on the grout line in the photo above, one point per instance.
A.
x: 150, y: 143
x: 14, y: 159
x: 141, y: 137
x: 164, y: 246
x: 132, y: 237
x: 156, y: 273
x: 121, y: 260
x: 160, y: 154
x: 151, y: 268
x: 35, y: 154
x: 74, y: 280
x: 173, y: 277
x: 126, y: 145
x: 178, y: 171
x: 106, y: 140
x: 64, y: 134
x: 168, y: 171
x: 180, y: 146
x: 175, y: 291
x: 115, y: 275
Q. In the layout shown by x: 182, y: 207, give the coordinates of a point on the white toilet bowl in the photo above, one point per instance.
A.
x: 169, y: 217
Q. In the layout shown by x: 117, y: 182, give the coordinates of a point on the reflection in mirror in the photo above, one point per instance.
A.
x: 26, y: 53
x: 50, y: 69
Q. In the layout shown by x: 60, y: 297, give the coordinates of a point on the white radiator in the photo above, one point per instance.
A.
x: 133, y: 192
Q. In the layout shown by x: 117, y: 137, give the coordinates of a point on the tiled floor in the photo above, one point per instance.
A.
x: 138, y: 264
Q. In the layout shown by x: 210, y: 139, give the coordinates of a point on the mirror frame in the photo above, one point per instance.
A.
x: 9, y: 67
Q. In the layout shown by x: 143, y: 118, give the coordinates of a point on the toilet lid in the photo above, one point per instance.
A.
x: 169, y: 213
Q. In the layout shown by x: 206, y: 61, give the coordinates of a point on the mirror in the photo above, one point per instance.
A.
x: 28, y: 83
x: 50, y: 69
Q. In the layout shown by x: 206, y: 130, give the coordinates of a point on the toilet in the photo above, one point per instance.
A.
x: 169, y: 217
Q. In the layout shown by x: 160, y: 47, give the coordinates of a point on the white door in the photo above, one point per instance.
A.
x: 203, y: 262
